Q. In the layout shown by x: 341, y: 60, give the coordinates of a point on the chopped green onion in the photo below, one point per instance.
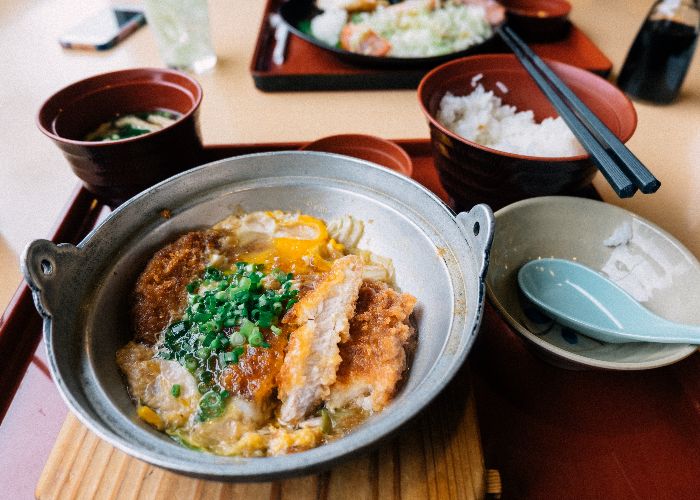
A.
x: 225, y: 310
x: 265, y: 319
x: 175, y: 390
x: 237, y: 338
x: 179, y: 328
x: 231, y: 357
x: 165, y: 354
x: 247, y: 327
x: 255, y: 338
x: 211, y: 405
x: 201, y: 317
x: 212, y: 273
x: 191, y: 364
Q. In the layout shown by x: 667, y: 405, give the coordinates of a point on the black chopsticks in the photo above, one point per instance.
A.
x: 619, y: 166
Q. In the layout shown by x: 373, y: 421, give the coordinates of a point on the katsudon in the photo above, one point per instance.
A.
x: 268, y: 333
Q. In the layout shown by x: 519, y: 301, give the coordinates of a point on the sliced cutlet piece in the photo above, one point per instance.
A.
x: 322, y: 320
x: 254, y: 377
x: 375, y: 357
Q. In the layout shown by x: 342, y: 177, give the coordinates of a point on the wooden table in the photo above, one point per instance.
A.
x: 35, y: 181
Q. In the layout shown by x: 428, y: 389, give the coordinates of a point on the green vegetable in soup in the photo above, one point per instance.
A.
x: 132, y: 125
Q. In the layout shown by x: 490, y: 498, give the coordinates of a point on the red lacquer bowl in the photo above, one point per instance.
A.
x: 115, y: 171
x: 472, y: 173
x: 539, y: 20
x: 366, y: 147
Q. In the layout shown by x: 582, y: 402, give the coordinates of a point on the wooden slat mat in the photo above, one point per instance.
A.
x: 437, y: 455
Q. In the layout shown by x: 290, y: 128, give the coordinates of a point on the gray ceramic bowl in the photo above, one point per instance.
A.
x: 652, y: 265
x: 81, y: 291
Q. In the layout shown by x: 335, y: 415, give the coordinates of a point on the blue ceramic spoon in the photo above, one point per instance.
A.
x: 584, y: 300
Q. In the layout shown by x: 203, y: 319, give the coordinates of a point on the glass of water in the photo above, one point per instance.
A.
x: 181, y: 29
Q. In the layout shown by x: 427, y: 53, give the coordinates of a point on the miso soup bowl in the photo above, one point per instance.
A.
x: 472, y: 173
x: 81, y: 291
x: 116, y: 170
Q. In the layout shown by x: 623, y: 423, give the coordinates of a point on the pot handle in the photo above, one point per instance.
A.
x: 43, y: 265
x: 478, y: 225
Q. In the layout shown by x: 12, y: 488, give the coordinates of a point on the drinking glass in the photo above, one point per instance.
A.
x: 181, y: 28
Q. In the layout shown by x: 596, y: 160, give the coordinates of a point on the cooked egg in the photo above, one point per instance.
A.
x: 295, y: 243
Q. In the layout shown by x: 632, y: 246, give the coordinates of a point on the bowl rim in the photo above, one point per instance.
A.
x: 140, y: 75
x: 433, y: 122
x: 580, y: 359
x: 396, y: 150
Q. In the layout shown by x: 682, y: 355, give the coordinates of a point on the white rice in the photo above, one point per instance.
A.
x: 476, y: 78
x: 481, y: 117
x: 502, y: 87
x: 621, y: 236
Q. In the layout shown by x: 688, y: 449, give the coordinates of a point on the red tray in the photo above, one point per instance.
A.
x: 307, y: 67
x: 551, y: 433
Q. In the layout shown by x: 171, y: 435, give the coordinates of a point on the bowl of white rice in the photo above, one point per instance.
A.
x: 497, y: 139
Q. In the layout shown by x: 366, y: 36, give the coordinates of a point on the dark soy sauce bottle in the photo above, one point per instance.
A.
x: 660, y: 55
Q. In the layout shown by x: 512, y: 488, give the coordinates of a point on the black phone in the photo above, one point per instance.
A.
x: 103, y: 30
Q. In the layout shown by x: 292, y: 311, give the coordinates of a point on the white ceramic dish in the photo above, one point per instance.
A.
x: 640, y: 257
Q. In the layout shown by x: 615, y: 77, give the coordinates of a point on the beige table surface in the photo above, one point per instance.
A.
x: 35, y: 181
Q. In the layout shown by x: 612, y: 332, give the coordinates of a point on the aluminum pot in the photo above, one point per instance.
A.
x: 81, y: 291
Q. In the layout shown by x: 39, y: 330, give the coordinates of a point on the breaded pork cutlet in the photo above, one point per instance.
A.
x: 160, y: 294
x: 321, y: 319
x: 375, y: 357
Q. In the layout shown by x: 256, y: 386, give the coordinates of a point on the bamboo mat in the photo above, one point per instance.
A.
x: 437, y: 455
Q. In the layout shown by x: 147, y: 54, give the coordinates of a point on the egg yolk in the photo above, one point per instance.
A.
x: 298, y: 245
